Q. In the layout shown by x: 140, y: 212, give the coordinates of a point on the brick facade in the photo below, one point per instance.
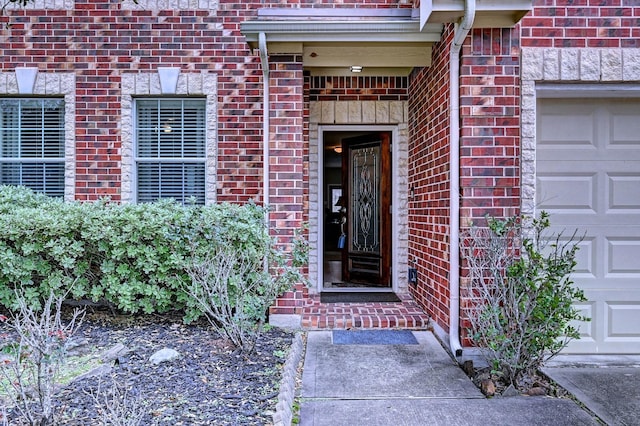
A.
x: 582, y: 23
x: 579, y: 38
x: 107, y: 51
x: 429, y: 180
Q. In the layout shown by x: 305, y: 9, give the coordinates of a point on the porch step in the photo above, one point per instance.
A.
x: 405, y: 314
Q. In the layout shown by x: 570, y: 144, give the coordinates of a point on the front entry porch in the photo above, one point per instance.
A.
x: 405, y: 314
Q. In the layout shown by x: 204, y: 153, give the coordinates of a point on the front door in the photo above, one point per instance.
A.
x: 366, y: 183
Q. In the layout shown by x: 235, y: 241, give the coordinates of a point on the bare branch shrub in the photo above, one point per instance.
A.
x: 118, y: 405
x: 232, y: 292
x: 4, y: 421
x: 35, y: 349
x: 236, y: 270
x: 521, y: 279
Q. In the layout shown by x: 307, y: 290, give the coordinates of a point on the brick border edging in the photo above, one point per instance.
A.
x: 284, y: 408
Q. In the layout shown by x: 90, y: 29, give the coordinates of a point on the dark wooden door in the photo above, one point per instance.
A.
x: 366, y: 184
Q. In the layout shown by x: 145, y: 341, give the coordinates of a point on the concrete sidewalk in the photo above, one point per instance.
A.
x: 409, y: 384
x: 608, y: 385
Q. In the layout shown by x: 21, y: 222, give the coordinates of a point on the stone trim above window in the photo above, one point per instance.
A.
x: 148, y: 84
x: 54, y: 84
x: 170, y: 5
x: 43, y: 5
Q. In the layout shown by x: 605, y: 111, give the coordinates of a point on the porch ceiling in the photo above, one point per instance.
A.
x: 383, y: 42
x: 489, y: 13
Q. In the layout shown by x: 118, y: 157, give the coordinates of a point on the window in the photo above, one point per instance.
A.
x: 171, y: 149
x: 32, y: 144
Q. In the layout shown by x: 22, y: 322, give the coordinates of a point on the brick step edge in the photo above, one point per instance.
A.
x: 284, y: 408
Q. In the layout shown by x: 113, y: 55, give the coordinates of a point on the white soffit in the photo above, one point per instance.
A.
x: 489, y: 13
x: 383, y: 41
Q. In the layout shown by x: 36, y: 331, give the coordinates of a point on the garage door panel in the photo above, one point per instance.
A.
x: 558, y: 132
x: 586, y: 256
x: 625, y: 127
x: 614, y: 325
x: 594, y: 187
x: 623, y: 258
x: 622, y: 320
x: 575, y: 192
x: 585, y: 328
x: 623, y: 192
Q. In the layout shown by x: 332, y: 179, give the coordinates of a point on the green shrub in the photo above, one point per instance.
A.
x: 137, y: 258
x: 521, y: 277
x: 230, y: 283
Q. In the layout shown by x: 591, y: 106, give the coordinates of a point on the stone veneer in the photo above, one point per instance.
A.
x: 169, y: 4
x: 148, y: 84
x: 54, y: 84
x: 381, y: 113
x: 41, y: 4
x: 570, y: 65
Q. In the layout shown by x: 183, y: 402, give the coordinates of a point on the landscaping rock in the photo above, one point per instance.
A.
x: 537, y: 391
x: 510, y: 391
x: 77, y: 346
x: 99, y: 371
x: 164, y: 355
x: 488, y: 387
x: 468, y: 369
x: 114, y: 353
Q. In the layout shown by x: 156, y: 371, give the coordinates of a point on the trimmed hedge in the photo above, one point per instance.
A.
x: 134, y: 257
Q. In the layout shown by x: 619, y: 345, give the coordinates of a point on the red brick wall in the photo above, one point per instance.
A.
x: 287, y: 145
x: 582, y: 23
x: 429, y: 179
x: 490, y: 117
x: 99, y: 40
x: 490, y: 135
x: 489, y: 153
x: 362, y: 88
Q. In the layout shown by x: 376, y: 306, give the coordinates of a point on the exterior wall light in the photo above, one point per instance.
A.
x: 356, y: 68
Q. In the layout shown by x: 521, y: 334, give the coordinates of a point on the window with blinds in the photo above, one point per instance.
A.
x: 171, y: 149
x: 32, y: 140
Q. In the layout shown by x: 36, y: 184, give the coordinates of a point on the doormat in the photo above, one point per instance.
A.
x: 345, y: 285
x: 374, y: 337
x: 357, y: 297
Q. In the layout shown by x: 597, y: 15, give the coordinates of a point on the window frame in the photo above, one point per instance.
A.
x: 23, y: 141
x: 53, y: 85
x: 147, y: 84
x: 137, y: 159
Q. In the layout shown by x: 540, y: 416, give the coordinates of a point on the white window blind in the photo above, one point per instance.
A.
x: 32, y: 140
x: 170, y: 149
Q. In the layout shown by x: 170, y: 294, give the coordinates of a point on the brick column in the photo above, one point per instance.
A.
x: 490, y: 135
x: 287, y: 163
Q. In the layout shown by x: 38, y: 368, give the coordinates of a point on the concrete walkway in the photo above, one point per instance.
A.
x: 608, y: 385
x: 409, y: 384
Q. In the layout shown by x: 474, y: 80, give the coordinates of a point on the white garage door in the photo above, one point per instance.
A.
x: 588, y: 177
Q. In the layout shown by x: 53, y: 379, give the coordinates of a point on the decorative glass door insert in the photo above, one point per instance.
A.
x: 367, y: 183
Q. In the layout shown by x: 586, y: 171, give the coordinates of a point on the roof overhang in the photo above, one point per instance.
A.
x: 381, y: 41
x: 489, y: 13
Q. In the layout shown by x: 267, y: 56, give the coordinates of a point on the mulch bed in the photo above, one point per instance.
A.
x: 210, y: 383
x: 491, y: 384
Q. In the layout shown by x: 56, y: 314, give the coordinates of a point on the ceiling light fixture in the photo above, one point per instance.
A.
x: 356, y: 68
x: 338, y: 149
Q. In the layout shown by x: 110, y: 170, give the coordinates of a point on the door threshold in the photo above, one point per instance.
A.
x: 357, y: 290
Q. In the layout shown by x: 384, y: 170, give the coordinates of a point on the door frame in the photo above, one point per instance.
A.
x: 395, y: 202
